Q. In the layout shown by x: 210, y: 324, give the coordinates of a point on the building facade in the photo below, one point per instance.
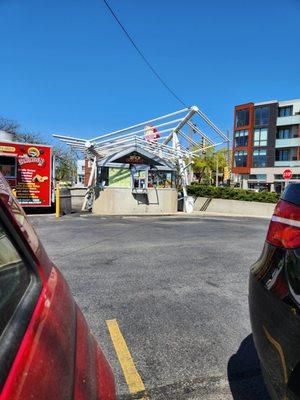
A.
x: 266, y: 141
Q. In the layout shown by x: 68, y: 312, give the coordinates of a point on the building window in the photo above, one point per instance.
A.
x: 242, y: 117
x: 161, y: 179
x: 8, y: 167
x: 259, y: 158
x: 279, y: 177
x: 285, y: 111
x: 259, y: 177
x: 283, y: 155
x: 241, y: 138
x: 240, y: 158
x: 262, y: 115
x: 294, y: 154
x: 283, y: 133
x: 119, y: 177
x: 14, y: 279
x: 260, y: 137
x: 286, y: 154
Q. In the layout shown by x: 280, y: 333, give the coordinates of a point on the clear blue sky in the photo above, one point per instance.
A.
x: 66, y: 67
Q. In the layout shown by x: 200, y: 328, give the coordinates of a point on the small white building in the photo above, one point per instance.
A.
x: 80, y: 172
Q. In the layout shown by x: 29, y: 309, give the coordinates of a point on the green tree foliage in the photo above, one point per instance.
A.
x: 65, y: 164
x: 205, y: 164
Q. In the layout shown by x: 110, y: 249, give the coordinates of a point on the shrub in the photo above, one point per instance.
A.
x: 213, y: 192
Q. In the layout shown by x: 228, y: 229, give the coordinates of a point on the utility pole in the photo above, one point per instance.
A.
x: 190, y: 171
x: 217, y: 170
x: 228, y: 149
x: 191, y: 135
x: 228, y: 158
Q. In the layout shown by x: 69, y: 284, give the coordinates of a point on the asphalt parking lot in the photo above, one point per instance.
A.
x: 177, y: 287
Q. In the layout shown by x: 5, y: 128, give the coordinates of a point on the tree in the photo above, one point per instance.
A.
x: 65, y: 158
x: 205, y: 164
x: 13, y: 127
x: 65, y: 164
x: 202, y: 165
x: 29, y: 137
x: 8, y: 125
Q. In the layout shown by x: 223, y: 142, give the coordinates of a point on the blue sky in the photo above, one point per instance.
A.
x: 66, y: 67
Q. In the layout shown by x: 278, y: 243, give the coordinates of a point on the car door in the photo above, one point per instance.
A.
x: 38, y: 314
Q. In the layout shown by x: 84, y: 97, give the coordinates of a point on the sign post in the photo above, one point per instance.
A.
x: 57, y: 201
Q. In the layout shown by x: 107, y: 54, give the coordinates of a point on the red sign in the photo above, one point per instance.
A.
x: 27, y: 168
x: 287, y: 174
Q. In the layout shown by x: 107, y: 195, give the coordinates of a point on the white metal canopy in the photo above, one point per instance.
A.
x: 175, y: 137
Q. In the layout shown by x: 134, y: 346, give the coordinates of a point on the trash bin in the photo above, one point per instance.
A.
x: 65, y: 201
x: 180, y: 201
x: 189, y: 204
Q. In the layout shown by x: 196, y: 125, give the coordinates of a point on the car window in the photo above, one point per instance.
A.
x: 292, y: 193
x: 14, y: 279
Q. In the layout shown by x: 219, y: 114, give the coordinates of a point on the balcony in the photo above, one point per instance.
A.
x: 292, y: 142
x: 292, y: 120
x: 290, y: 163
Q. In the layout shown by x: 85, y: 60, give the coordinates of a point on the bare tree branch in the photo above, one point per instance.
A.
x: 9, y: 125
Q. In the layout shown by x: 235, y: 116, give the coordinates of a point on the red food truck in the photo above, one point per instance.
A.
x: 28, y: 168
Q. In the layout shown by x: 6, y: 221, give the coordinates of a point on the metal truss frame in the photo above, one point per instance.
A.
x: 180, y: 139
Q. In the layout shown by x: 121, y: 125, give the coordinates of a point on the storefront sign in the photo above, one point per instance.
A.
x: 31, y: 160
x: 134, y: 159
x: 9, y: 149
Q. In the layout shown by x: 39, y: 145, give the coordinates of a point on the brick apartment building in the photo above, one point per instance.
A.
x: 266, y: 141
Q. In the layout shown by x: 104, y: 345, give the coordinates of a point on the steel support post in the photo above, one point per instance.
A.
x: 182, y: 170
x: 90, y: 183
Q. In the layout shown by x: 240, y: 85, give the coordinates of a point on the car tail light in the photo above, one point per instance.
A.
x: 284, y: 229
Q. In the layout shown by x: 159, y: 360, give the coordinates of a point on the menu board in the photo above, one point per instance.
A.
x: 34, y: 176
x: 30, y: 172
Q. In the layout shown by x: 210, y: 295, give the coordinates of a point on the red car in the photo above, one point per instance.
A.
x: 46, y: 349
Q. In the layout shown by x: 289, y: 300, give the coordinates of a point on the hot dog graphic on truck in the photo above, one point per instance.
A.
x: 28, y: 169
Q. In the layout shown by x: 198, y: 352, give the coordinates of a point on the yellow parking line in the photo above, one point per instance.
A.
x: 133, y: 379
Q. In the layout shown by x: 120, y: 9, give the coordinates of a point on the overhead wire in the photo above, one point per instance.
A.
x: 148, y: 63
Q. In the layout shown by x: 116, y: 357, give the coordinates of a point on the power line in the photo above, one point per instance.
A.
x: 143, y: 56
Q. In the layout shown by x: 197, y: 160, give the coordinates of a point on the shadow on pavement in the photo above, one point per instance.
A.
x: 244, y: 373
